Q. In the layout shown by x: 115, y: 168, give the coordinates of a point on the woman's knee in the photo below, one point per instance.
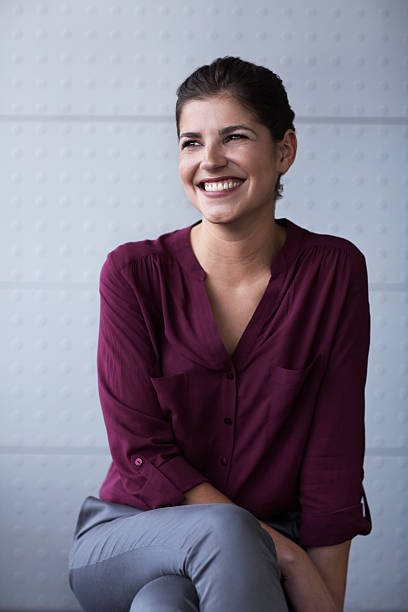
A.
x: 231, y: 526
x: 169, y: 593
x: 234, y: 528
x: 227, y: 518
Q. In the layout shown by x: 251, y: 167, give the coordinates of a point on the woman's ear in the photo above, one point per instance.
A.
x: 287, y: 148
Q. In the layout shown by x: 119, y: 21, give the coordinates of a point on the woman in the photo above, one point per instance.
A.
x: 232, y: 362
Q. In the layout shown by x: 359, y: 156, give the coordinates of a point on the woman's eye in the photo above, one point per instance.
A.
x: 235, y: 136
x: 188, y: 143
x: 194, y: 143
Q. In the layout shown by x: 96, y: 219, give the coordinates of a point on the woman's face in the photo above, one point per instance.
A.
x: 228, y: 162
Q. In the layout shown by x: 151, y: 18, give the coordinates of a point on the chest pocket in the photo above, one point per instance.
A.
x: 291, y: 392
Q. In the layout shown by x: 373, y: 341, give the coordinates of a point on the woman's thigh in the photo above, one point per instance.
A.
x: 217, y: 547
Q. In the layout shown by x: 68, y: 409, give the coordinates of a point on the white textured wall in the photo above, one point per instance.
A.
x: 88, y: 159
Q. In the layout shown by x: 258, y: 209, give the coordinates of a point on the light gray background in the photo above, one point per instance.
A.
x: 88, y: 158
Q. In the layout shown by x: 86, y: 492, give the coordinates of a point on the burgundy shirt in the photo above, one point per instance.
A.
x: 279, y: 426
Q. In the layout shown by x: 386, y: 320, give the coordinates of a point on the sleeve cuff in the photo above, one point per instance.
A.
x: 182, y: 474
x: 334, y: 528
x: 164, y: 486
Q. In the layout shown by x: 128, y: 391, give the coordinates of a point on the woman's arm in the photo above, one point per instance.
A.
x: 331, y: 473
x: 148, y: 468
x: 302, y: 581
x: 332, y: 563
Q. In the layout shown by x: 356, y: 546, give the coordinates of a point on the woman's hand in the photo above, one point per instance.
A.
x: 301, y: 579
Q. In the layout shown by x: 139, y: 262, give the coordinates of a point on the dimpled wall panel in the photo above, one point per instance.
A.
x: 88, y: 158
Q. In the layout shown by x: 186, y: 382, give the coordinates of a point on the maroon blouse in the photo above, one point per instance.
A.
x: 279, y: 426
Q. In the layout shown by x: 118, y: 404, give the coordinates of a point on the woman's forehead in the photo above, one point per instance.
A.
x: 215, y: 109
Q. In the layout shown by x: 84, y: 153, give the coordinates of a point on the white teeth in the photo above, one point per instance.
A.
x: 222, y: 186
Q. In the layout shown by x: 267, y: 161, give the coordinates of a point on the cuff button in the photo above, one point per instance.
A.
x: 138, y: 461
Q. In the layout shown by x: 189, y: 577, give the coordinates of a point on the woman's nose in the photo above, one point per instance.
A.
x: 213, y: 157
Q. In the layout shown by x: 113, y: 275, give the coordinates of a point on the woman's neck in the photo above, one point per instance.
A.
x: 236, y: 258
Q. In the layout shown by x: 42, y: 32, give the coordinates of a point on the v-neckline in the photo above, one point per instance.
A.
x: 210, y: 333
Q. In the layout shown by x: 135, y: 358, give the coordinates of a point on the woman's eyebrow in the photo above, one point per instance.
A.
x: 232, y: 128
x: 226, y: 130
x: 190, y: 135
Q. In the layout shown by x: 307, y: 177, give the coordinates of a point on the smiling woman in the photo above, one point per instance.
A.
x: 232, y: 360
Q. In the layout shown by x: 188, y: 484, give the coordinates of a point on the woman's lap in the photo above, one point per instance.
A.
x: 120, y: 553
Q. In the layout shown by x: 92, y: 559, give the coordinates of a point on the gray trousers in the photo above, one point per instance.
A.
x: 197, y: 557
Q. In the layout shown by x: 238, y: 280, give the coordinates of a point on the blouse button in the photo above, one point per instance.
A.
x: 224, y: 461
x: 138, y: 461
x: 230, y: 375
x: 227, y: 420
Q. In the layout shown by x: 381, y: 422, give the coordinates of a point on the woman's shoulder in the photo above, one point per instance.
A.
x: 132, y: 252
x: 315, y: 239
x: 333, y: 255
x: 329, y: 250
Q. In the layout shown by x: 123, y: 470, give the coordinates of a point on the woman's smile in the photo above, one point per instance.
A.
x: 220, y: 187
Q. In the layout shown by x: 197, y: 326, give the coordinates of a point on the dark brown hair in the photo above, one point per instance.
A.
x: 258, y: 89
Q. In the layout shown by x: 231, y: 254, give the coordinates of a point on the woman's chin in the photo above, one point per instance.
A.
x: 217, y: 211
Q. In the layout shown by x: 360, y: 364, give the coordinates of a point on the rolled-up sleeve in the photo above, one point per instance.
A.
x: 145, y: 458
x: 332, y: 473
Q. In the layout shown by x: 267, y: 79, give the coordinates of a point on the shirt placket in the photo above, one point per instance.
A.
x: 229, y: 415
